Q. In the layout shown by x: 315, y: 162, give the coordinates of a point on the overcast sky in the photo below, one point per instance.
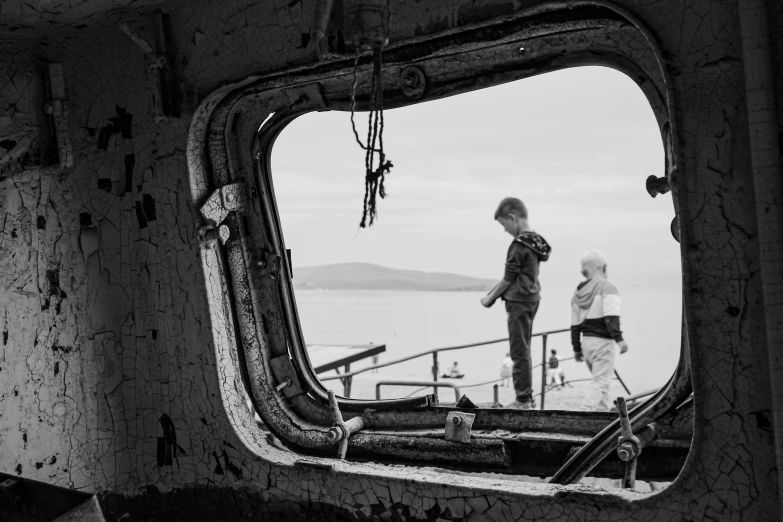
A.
x: 576, y: 146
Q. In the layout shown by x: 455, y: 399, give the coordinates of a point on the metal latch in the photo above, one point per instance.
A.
x: 458, y: 426
x: 630, y: 445
x: 228, y: 198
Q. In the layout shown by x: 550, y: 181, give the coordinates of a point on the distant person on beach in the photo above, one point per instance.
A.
x: 374, y: 362
x: 506, y: 369
x: 520, y: 289
x: 454, y: 371
x: 595, y: 328
x: 554, y: 373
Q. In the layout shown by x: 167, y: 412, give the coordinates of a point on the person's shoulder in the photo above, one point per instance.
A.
x: 608, y: 288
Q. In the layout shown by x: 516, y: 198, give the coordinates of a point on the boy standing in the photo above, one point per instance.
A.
x: 520, y: 289
x: 595, y: 314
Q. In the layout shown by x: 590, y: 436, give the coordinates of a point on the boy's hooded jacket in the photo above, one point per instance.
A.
x: 524, y: 255
x: 595, y: 312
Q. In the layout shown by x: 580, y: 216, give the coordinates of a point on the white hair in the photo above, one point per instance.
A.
x: 593, y: 257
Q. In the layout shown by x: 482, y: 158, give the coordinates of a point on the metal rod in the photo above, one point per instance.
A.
x: 543, y: 371
x: 347, y: 382
x: 629, y: 477
x: 621, y: 382
x: 495, y: 394
x: 435, y: 371
x: 416, y: 383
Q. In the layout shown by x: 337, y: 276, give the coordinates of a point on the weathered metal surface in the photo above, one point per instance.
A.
x: 458, y: 426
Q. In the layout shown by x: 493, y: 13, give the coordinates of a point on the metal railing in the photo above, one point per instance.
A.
x: 347, y: 377
x: 417, y: 383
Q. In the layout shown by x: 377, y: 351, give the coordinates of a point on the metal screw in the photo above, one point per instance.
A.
x: 283, y: 384
x: 522, y: 50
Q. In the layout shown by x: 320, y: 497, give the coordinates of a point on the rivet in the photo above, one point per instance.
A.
x: 522, y: 50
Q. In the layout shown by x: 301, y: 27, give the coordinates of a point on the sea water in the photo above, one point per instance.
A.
x: 409, y: 322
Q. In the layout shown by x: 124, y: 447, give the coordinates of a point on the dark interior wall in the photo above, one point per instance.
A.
x: 109, y: 380
x: 105, y: 321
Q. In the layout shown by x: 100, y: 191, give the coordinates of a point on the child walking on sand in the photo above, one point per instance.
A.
x: 595, y: 328
x: 520, y: 289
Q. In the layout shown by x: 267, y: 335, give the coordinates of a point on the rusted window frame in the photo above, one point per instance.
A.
x: 231, y: 143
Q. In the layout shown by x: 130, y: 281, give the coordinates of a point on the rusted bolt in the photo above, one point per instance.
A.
x: 457, y: 421
x: 626, y: 451
x: 413, y: 82
x: 283, y: 384
x: 335, y: 433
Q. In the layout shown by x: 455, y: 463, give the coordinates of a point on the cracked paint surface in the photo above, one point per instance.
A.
x: 112, y: 380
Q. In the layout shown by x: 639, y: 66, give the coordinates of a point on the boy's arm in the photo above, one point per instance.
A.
x: 513, y: 269
x: 495, y: 293
x: 576, y: 332
x: 611, y: 304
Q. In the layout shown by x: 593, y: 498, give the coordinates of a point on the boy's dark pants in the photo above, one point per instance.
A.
x: 520, y: 329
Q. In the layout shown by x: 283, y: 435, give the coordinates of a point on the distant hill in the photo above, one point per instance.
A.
x: 365, y: 276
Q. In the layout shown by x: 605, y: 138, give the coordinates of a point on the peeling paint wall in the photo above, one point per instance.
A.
x: 109, y: 377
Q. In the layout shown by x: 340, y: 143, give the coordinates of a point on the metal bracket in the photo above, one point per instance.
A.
x: 284, y: 373
x: 458, y: 426
x: 228, y: 198
x: 341, y: 430
x: 629, y: 446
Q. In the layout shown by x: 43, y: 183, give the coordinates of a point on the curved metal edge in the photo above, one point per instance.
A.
x: 197, y: 157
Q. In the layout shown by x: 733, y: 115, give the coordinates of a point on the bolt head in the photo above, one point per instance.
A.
x: 334, y: 434
x: 626, y: 451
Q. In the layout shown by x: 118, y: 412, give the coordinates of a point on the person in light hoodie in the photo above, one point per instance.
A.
x: 595, y: 328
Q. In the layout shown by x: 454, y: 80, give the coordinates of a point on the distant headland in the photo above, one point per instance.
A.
x: 366, y: 276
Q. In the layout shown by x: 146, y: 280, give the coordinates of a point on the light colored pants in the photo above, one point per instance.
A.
x: 554, y: 375
x: 599, y: 355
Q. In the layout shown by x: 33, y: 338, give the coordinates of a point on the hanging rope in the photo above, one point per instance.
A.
x: 374, y: 177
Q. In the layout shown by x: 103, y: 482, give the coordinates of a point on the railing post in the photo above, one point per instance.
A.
x: 435, y: 370
x: 347, y: 382
x: 495, y: 404
x: 543, y: 371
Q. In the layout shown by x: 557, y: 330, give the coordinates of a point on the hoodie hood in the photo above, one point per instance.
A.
x: 535, y: 243
x: 587, y: 290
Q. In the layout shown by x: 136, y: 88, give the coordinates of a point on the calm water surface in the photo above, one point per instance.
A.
x: 410, y: 322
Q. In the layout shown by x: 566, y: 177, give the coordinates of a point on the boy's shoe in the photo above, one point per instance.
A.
x: 518, y: 405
